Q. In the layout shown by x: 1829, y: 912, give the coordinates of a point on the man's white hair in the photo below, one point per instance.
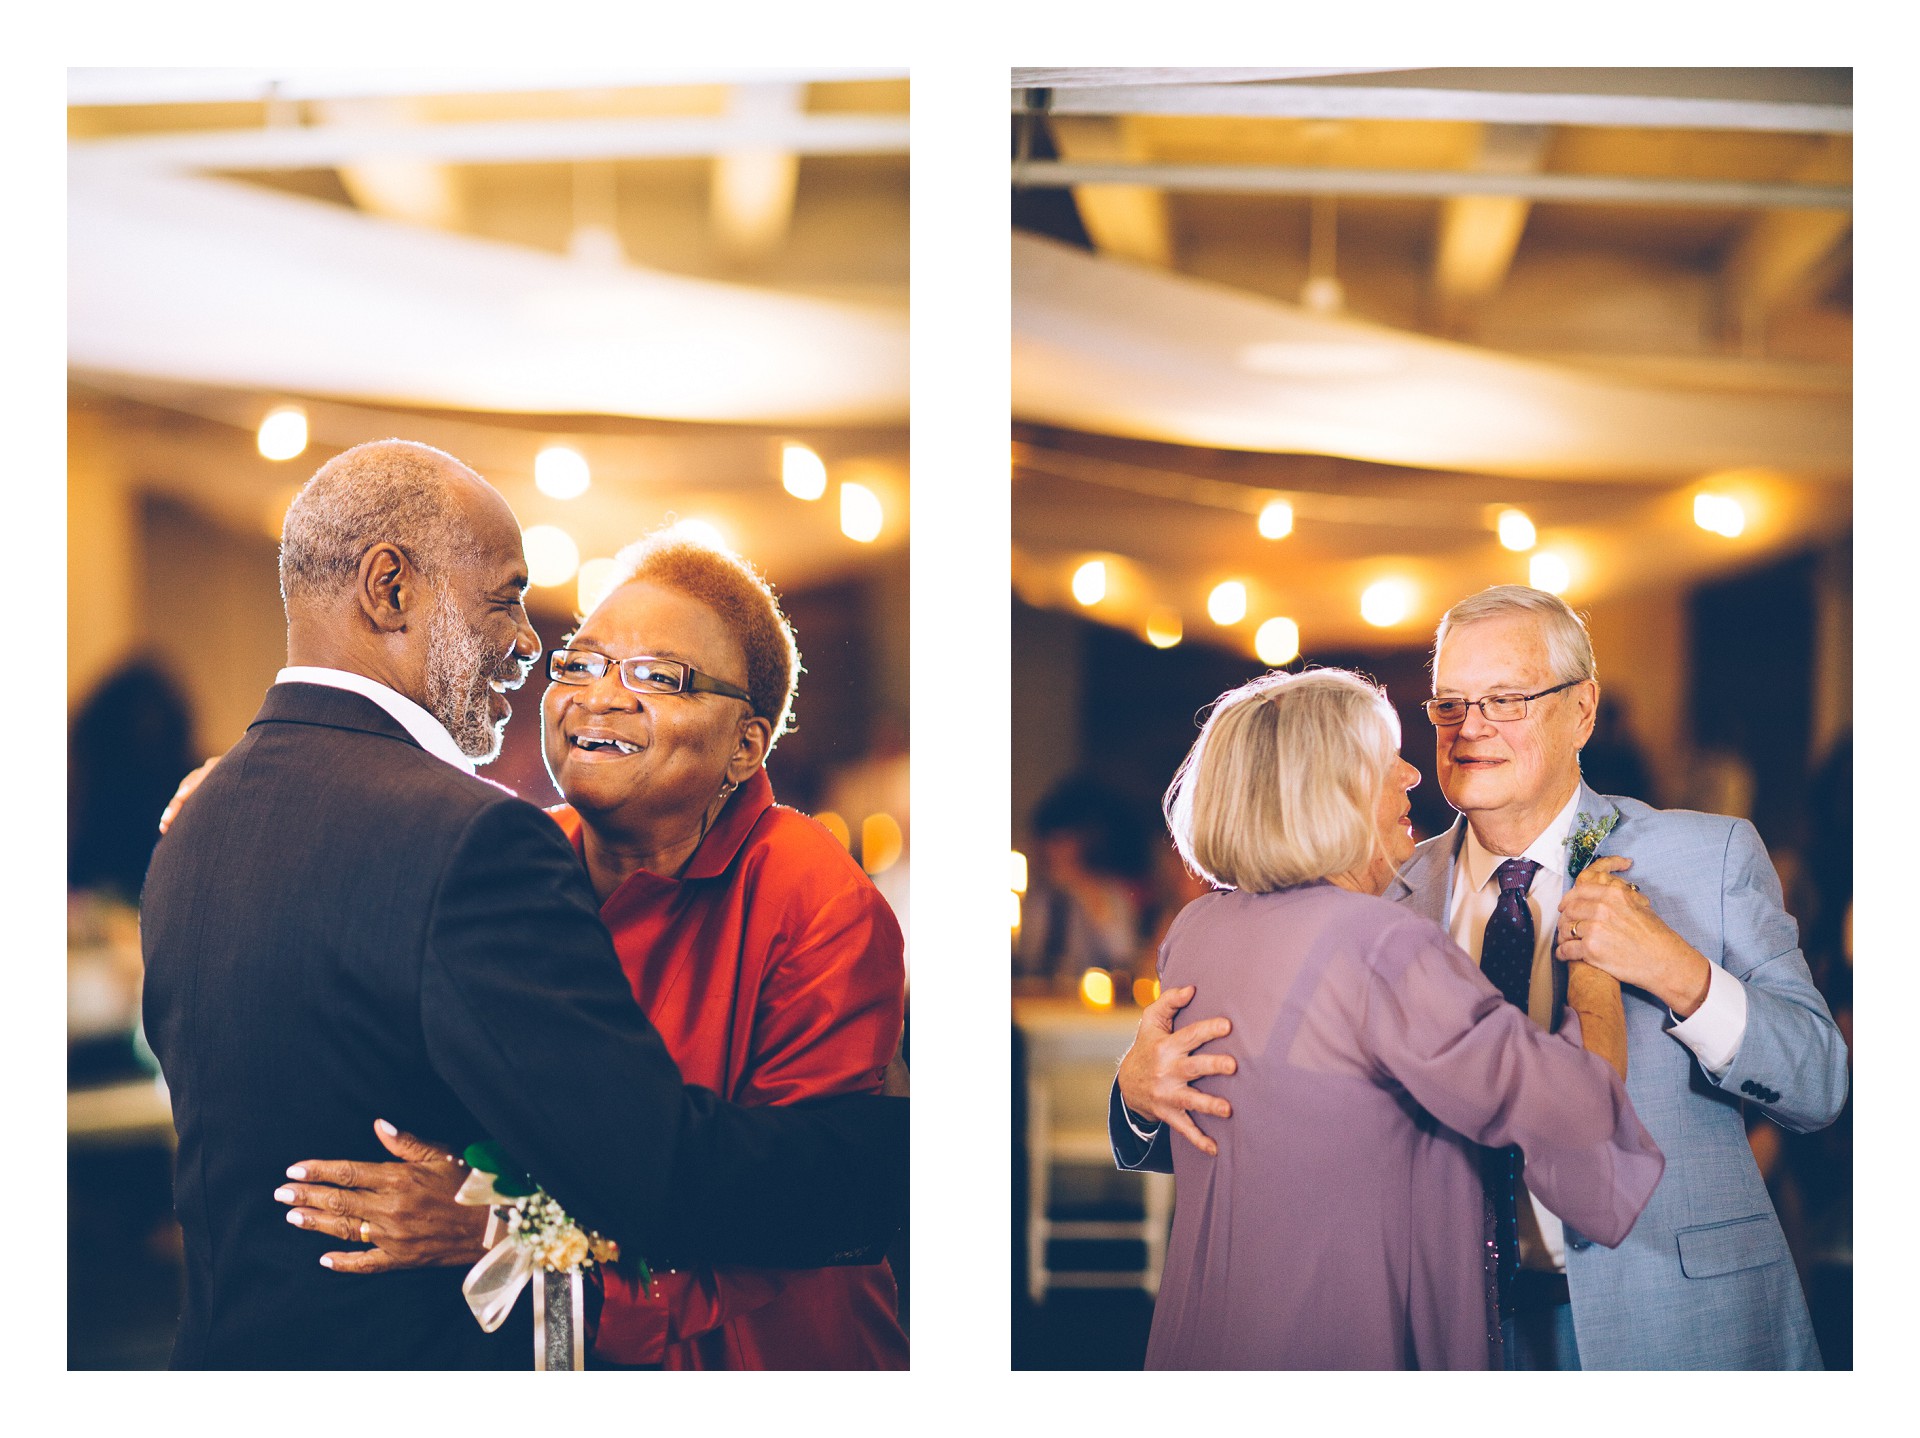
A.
x: 387, y: 491
x: 1569, y: 646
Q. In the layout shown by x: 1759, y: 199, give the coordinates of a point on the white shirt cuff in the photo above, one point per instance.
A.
x: 1716, y: 1029
x: 1145, y: 1135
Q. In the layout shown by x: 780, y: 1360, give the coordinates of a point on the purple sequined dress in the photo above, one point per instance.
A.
x: 1340, y: 1226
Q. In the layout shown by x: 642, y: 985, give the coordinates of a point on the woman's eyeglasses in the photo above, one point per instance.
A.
x: 643, y: 674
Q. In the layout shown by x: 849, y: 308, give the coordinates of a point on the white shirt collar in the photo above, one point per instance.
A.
x: 1549, y: 850
x: 426, y: 730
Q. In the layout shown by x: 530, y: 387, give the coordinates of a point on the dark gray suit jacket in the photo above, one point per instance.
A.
x: 342, y: 927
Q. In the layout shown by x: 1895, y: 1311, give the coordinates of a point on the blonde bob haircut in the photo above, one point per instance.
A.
x: 1282, y: 784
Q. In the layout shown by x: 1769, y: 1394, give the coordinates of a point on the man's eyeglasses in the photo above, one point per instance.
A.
x: 1501, y: 708
x: 643, y: 674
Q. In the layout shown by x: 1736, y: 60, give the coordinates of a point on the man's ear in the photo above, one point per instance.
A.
x: 750, y: 752
x: 1587, y: 695
x: 388, y: 588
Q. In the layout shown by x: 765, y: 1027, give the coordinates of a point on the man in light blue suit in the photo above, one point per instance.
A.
x: 1685, y: 911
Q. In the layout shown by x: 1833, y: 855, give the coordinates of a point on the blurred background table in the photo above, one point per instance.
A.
x: 1070, y: 1050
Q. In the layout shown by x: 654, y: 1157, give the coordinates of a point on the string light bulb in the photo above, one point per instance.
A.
x: 1276, y: 520
x: 1228, y: 602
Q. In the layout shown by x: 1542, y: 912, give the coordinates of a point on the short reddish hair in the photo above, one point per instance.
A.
x: 741, y: 596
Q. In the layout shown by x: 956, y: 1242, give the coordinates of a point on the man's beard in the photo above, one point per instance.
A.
x: 458, y: 672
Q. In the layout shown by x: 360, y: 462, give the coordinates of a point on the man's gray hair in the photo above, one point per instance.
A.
x: 1569, y: 647
x: 391, y: 491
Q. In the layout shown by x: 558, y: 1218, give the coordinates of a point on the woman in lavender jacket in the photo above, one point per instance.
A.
x: 1341, y: 1223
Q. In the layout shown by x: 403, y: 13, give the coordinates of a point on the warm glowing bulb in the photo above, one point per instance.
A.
x: 596, y: 583
x: 835, y: 826
x: 1276, y: 520
x: 1277, y: 642
x: 1719, y: 514
x: 1163, y: 628
x: 1516, y: 531
x: 552, y: 556
x: 1019, y: 872
x: 702, y: 532
x: 1016, y: 912
x: 802, y: 472
x: 1228, y: 602
x: 561, y: 473
x: 880, y: 842
x: 1549, y: 572
x: 859, y: 513
x: 1096, y: 987
x: 1090, y: 582
x: 283, y: 434
x: 1145, y: 991
x: 1386, y: 603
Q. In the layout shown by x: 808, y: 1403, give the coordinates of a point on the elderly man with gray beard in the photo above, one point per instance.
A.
x: 346, y: 926
x: 1684, y: 911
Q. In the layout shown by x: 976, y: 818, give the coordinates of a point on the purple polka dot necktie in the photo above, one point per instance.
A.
x: 1506, y: 958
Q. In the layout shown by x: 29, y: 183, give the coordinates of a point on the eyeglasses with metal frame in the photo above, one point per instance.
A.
x: 1500, y: 708
x: 643, y: 674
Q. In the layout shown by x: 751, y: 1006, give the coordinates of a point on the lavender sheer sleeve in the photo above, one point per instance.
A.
x: 1475, y: 1062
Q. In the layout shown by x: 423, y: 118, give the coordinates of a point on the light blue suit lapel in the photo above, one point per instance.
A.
x: 1425, y: 882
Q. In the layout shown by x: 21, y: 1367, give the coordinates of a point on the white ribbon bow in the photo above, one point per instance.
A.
x: 492, y: 1284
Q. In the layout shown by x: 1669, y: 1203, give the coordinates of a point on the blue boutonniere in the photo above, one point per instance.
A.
x: 1585, y: 839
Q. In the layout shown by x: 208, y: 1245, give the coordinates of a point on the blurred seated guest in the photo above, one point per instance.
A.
x: 130, y: 743
x: 1339, y: 1222
x: 1083, y: 905
x: 767, y: 960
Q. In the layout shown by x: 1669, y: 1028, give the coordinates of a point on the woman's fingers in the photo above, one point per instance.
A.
x: 1606, y: 864
x: 319, y: 1197
x: 184, y: 792
x: 321, y: 1220
x: 342, y: 1173
x: 404, y: 1145
x: 365, y: 1260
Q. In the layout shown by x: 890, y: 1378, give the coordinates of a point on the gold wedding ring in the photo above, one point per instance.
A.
x: 1576, y: 939
x: 366, y: 1231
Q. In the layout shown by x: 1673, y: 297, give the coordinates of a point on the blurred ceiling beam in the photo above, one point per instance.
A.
x: 1127, y: 221
x: 1796, y: 101
x: 1044, y: 79
x: 1437, y: 184
x: 751, y: 204
x: 233, y: 284
x: 1480, y: 233
x: 398, y: 187
x: 151, y: 86
x: 503, y: 141
x: 1123, y: 350
x: 1781, y: 253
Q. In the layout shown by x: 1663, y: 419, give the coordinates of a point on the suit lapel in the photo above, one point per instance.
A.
x: 1426, y: 882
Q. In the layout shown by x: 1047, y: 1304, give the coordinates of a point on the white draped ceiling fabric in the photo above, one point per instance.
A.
x: 182, y: 276
x: 1122, y: 349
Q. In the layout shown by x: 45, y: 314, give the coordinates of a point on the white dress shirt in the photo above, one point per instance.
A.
x: 428, y: 731
x: 1713, y: 1032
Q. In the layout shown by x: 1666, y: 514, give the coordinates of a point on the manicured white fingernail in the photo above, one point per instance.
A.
x: 326, y: 1260
x: 297, y: 1218
x: 285, y: 1195
x: 388, y: 1129
x: 297, y: 1171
